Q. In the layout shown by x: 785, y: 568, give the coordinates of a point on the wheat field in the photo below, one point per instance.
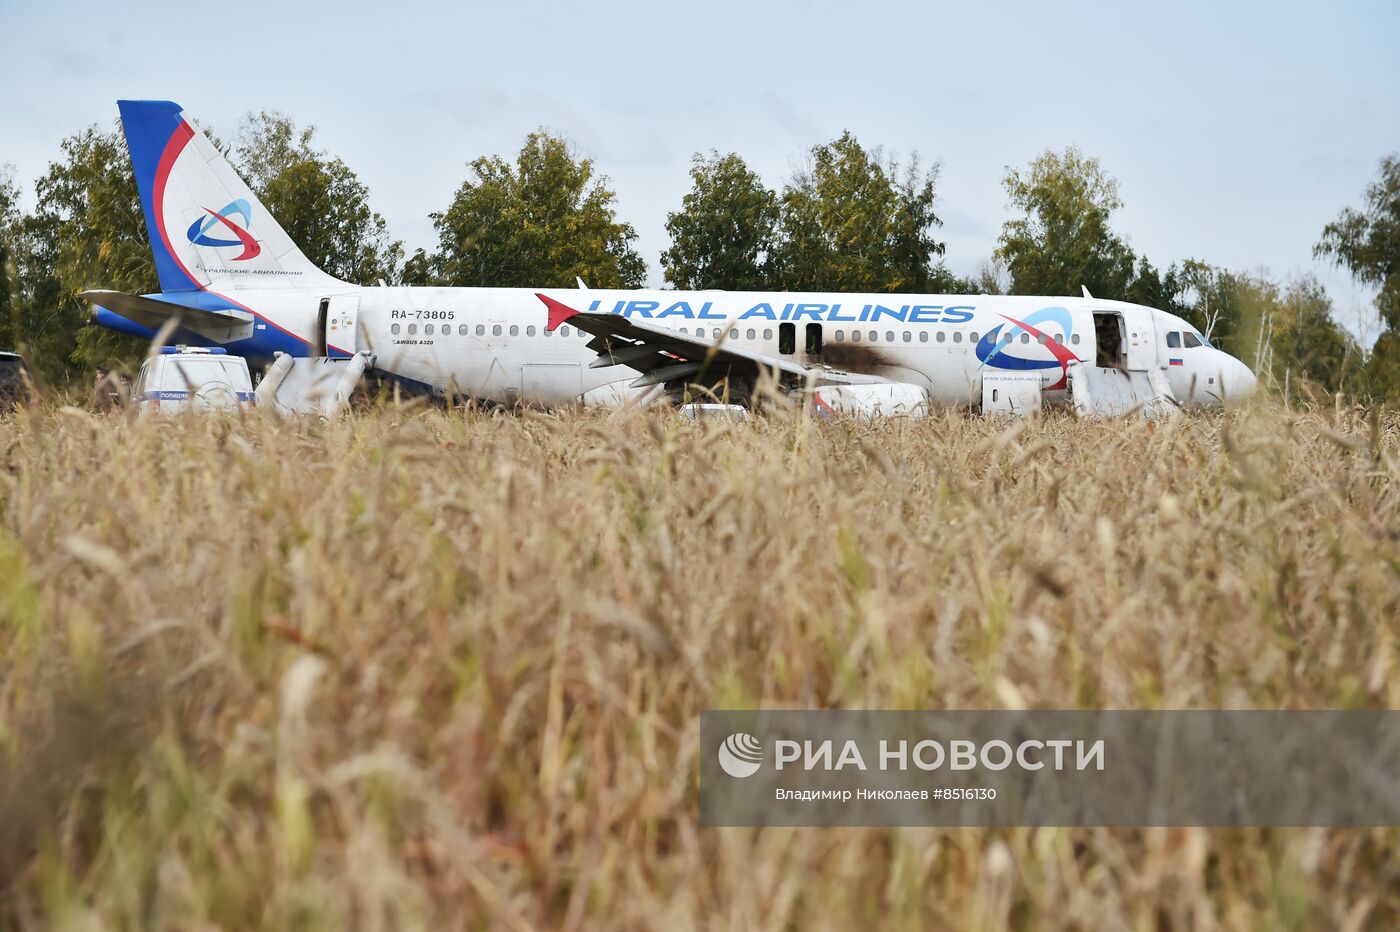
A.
x: 417, y: 668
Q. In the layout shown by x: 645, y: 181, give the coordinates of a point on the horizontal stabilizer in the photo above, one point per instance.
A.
x: 152, y: 312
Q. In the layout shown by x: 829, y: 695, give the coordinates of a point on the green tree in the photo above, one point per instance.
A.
x: 1383, y: 366
x: 1208, y: 297
x: 1149, y: 287
x: 87, y: 231
x: 1064, y: 240
x: 268, y: 142
x: 857, y: 223
x: 991, y: 279
x: 318, y: 200
x: 1308, y: 349
x: 9, y: 218
x: 1367, y: 242
x: 722, y: 237
x: 541, y: 222
x: 418, y: 270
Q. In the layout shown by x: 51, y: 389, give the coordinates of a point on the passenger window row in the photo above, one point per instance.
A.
x: 463, y: 330
x: 874, y: 336
x: 786, y: 335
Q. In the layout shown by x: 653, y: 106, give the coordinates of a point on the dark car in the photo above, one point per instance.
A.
x: 16, y: 382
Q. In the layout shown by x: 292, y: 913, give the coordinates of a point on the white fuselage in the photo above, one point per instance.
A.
x: 491, y: 343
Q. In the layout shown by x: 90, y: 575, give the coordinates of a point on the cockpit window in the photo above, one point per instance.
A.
x: 1191, y: 340
x: 1174, y: 339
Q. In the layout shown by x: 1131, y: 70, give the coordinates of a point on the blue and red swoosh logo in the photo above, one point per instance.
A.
x: 198, y: 233
x: 992, y: 351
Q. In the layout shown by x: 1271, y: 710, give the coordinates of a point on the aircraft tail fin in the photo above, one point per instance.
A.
x: 206, y: 227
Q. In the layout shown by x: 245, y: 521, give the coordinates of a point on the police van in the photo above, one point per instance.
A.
x: 189, y: 378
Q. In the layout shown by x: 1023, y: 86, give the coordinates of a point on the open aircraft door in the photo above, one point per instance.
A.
x: 1141, y: 343
x: 338, y: 325
x: 1125, y: 338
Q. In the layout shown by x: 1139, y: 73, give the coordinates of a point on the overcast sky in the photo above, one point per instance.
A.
x: 1236, y: 130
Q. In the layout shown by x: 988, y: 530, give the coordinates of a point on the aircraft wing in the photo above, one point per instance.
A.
x: 663, y: 355
x: 150, y: 312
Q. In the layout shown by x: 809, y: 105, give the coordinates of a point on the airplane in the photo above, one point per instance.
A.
x: 231, y: 277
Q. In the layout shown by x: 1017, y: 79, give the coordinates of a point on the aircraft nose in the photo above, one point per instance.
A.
x: 1239, y: 380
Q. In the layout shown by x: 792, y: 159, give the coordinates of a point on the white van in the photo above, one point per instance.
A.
x: 189, y: 378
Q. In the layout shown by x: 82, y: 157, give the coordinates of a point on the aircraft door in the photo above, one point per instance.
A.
x: 1110, y: 338
x: 551, y: 383
x: 1141, y: 338
x: 337, y: 325
x: 1125, y: 339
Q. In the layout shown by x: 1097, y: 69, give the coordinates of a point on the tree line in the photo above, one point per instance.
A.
x: 854, y: 219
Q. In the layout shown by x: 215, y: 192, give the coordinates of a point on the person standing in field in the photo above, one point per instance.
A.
x: 106, y: 391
